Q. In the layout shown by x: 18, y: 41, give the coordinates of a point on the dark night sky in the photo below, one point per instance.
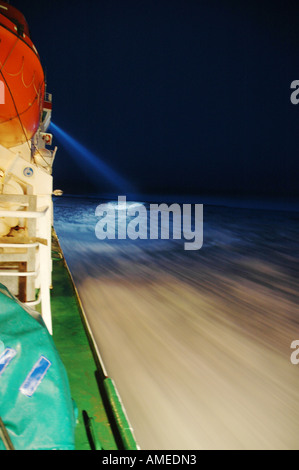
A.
x: 177, y: 96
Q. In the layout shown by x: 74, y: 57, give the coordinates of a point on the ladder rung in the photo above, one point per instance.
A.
x: 24, y: 214
x: 18, y: 274
x: 18, y: 245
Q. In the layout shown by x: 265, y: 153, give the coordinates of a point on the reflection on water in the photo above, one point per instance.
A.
x: 198, y: 342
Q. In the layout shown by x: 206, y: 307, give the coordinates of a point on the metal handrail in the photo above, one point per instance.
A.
x: 24, y: 214
x: 19, y: 245
x: 33, y: 303
x: 18, y: 273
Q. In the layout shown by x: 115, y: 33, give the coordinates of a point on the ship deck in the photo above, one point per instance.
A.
x: 101, y: 422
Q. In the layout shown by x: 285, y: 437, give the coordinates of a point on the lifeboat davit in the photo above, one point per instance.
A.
x: 22, y: 81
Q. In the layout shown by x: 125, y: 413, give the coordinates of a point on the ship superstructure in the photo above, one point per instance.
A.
x: 26, y: 160
x: 54, y: 390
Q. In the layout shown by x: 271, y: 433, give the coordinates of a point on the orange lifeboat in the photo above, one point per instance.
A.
x: 22, y: 81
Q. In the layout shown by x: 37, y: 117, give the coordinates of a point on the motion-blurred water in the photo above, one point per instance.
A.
x: 198, y: 342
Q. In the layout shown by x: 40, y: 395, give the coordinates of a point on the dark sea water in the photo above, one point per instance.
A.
x: 197, y: 342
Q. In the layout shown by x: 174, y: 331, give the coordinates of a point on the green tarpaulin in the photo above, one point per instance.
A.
x: 35, y: 402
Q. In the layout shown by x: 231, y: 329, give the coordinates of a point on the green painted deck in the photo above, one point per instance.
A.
x: 75, y: 349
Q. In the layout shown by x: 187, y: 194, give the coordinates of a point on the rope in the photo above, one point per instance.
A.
x: 14, y: 74
x: 9, y: 54
x: 21, y: 71
x: 31, y: 81
x: 14, y: 103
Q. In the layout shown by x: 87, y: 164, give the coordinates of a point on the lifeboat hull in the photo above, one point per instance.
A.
x: 22, y: 85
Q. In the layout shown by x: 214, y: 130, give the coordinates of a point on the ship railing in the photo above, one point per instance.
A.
x: 41, y: 270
